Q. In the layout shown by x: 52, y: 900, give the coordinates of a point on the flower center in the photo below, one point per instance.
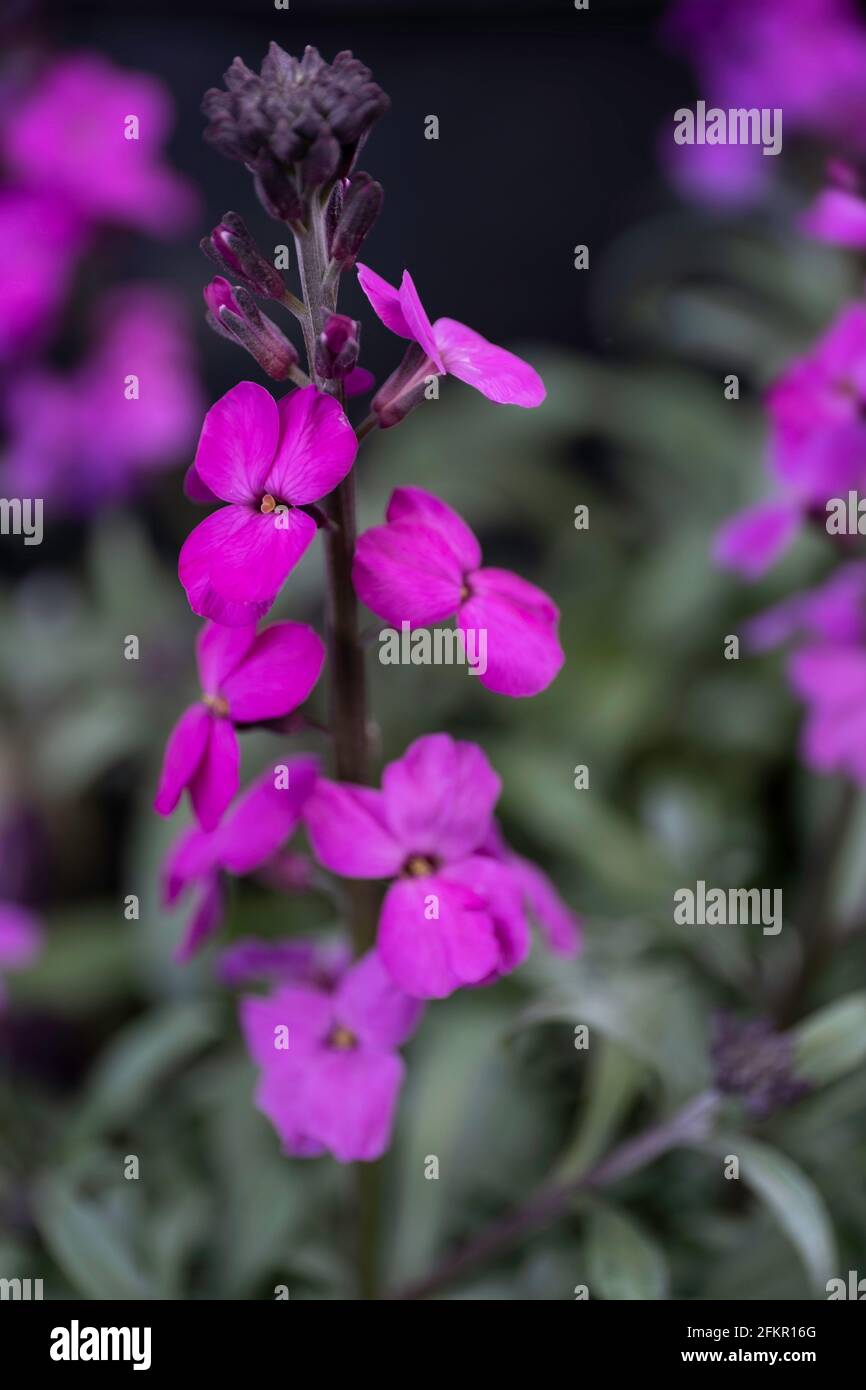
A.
x: 465, y: 592
x: 216, y: 704
x: 343, y: 1039
x: 268, y: 504
x: 419, y: 866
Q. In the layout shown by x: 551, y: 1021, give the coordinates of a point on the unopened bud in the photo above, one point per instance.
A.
x: 233, y: 313
x: 337, y: 347
x: 231, y: 247
x: 362, y: 203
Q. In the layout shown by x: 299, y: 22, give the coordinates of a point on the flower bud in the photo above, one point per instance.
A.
x: 231, y: 247
x: 361, y: 205
x: 233, y: 313
x: 337, y: 347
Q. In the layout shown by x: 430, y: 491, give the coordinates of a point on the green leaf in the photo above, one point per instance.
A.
x: 623, y: 1263
x: 832, y: 1041
x: 792, y: 1198
x: 91, y: 1249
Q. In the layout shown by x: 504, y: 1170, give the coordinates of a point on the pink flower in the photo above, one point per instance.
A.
x: 257, y: 826
x: 828, y: 672
x: 837, y: 216
x: 73, y: 137
x: 450, y: 347
x: 818, y: 445
x: 425, y: 566
x: 20, y: 939
x: 559, y: 926
x: 41, y: 240
x: 267, y: 461
x: 331, y: 1073
x: 244, y: 679
x: 452, y: 916
x: 77, y: 439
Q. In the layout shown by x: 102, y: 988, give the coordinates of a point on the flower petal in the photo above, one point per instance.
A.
x: 215, y: 781
x: 404, y: 572
x: 431, y: 957
x: 264, y: 817
x: 349, y: 832
x: 204, y: 920
x: 237, y: 443
x: 277, y: 673
x: 306, y: 1013
x: 754, y: 539
x: 219, y: 650
x: 282, y: 1095
x: 369, y: 1003
x: 415, y: 315
x: 20, y: 936
x: 235, y: 561
x: 350, y: 1102
x: 523, y: 650
x: 183, y: 753
x: 502, y: 893
x: 439, y: 797
x: 316, y: 449
x: 192, y: 856
x: 415, y: 504
x: 499, y: 375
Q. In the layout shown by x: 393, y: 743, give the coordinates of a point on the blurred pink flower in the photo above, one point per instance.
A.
x: 307, y: 962
x: 244, y: 679
x: 20, y: 940
x: 560, y: 927
x: 817, y: 411
x: 41, y: 240
x: 331, y: 1073
x: 90, y: 136
x: 257, y: 826
x: 82, y: 440
x: 453, y: 915
x: 807, y: 57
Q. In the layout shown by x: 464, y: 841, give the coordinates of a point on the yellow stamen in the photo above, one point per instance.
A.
x: 217, y: 704
x: 269, y: 504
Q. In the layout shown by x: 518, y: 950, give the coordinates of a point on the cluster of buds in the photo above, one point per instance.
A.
x: 755, y: 1063
x: 297, y: 125
x: 233, y: 313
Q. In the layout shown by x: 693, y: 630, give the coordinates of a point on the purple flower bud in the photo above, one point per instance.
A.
x: 337, y: 347
x: 361, y: 205
x: 754, y: 1062
x: 231, y: 247
x: 233, y: 313
x: 404, y: 389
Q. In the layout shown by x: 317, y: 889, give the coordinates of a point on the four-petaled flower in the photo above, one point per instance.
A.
x: 256, y: 827
x: 330, y: 1068
x: 244, y: 679
x: 450, y: 347
x: 267, y: 460
x: 425, y: 566
x: 453, y: 914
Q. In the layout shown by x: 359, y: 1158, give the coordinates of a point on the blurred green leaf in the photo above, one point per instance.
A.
x: 91, y: 1248
x: 832, y: 1041
x: 622, y: 1262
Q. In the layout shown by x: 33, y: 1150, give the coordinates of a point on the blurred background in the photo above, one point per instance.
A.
x: 554, y: 132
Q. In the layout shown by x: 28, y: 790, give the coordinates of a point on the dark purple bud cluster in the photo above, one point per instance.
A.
x: 298, y: 124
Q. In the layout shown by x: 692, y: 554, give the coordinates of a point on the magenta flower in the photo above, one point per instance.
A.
x: 834, y: 612
x: 76, y: 439
x: 425, y: 566
x: 452, y: 915
x: 20, y: 940
x: 838, y: 214
x: 331, y: 1073
x: 257, y: 826
x: 41, y: 240
x: 560, y: 927
x: 450, y: 347
x: 818, y: 445
x: 92, y: 135
x: 267, y: 461
x: 306, y: 962
x: 807, y: 57
x: 245, y: 679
